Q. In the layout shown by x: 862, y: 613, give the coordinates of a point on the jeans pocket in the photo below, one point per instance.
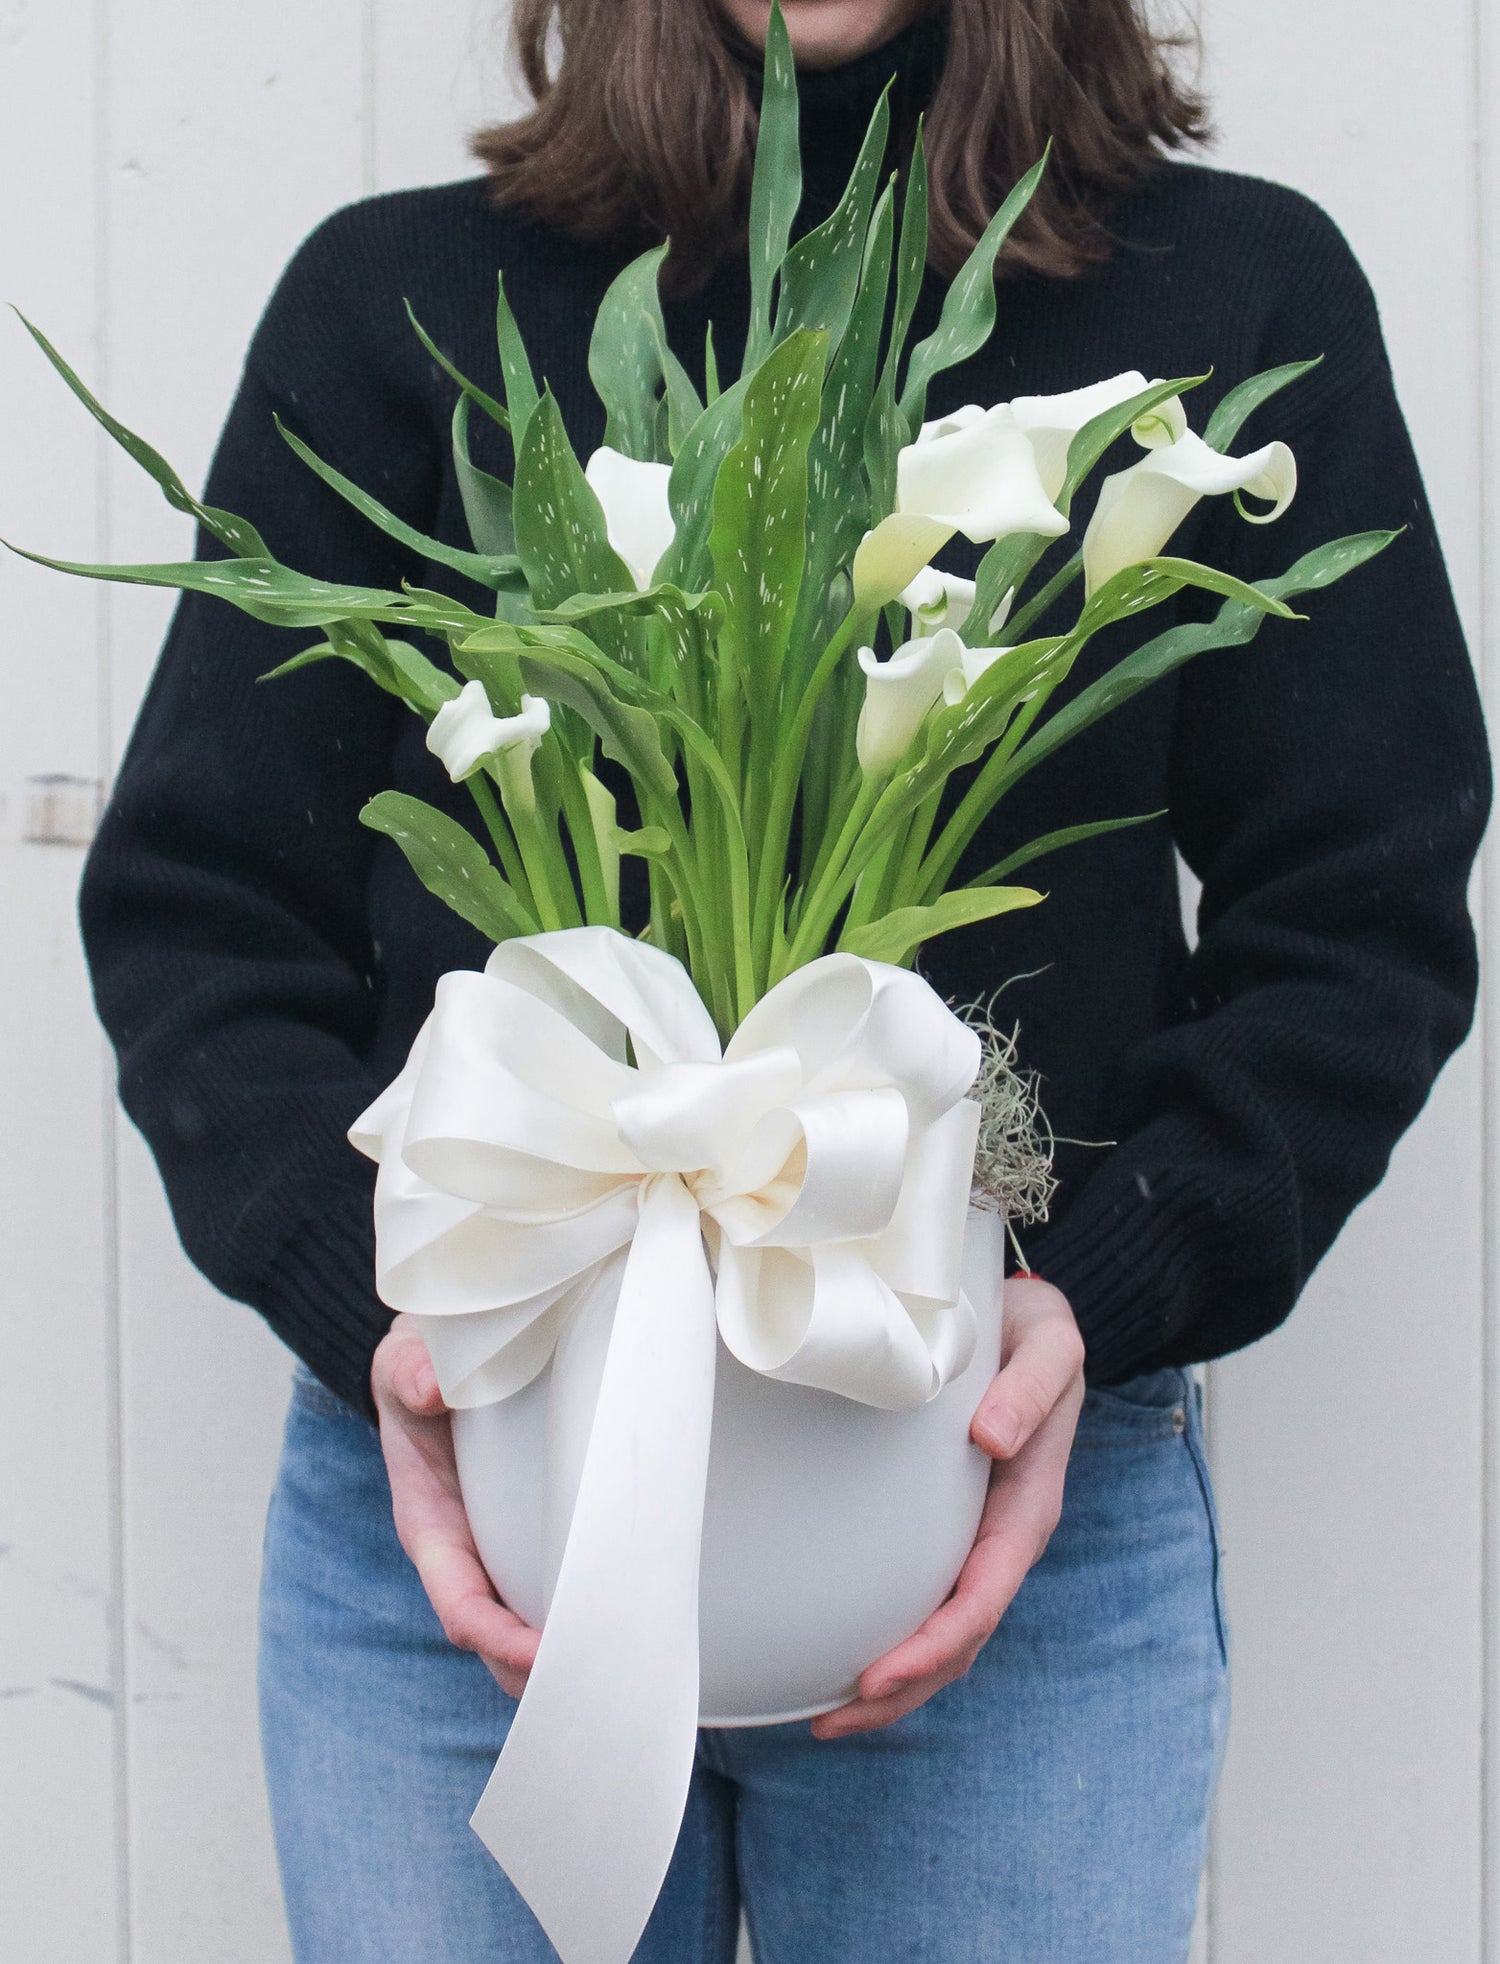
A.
x: 1156, y: 1405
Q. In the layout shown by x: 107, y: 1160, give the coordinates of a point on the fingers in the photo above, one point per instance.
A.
x: 472, y: 1616
x: 416, y: 1437
x: 1044, y: 1356
x: 1021, y: 1511
x: 403, y: 1370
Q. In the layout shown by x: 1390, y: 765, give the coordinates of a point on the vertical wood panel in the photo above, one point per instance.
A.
x: 1487, y: 117
x: 1348, y: 1449
x: 436, y: 77
x: 232, y: 132
x: 60, y: 1897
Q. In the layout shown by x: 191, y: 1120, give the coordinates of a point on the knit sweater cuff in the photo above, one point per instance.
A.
x: 1124, y: 1269
x: 319, y: 1296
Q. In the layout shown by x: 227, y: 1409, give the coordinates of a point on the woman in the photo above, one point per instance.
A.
x: 1029, y: 1777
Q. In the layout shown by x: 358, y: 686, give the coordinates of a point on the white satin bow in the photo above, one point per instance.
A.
x: 566, y: 1133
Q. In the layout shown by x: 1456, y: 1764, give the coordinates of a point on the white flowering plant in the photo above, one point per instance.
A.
x: 704, y: 600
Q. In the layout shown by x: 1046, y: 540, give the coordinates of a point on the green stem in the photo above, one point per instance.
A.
x: 787, y: 775
x: 827, y: 895
x: 1058, y: 585
x: 502, y: 838
x: 976, y: 804
x: 599, y: 909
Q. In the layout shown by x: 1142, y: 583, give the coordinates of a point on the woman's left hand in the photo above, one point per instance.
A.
x: 1025, y: 1422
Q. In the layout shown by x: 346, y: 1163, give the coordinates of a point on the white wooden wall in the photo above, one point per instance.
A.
x: 159, y: 160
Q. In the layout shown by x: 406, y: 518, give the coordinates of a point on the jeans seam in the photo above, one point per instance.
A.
x: 1205, y: 1491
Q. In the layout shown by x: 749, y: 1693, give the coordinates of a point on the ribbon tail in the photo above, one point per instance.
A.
x: 584, y: 1806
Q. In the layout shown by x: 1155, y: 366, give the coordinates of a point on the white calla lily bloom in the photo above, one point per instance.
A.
x: 466, y: 734
x: 989, y: 473
x: 637, y: 514
x: 901, y: 692
x: 937, y: 600
x: 973, y: 472
x: 1139, y: 509
x: 898, y: 694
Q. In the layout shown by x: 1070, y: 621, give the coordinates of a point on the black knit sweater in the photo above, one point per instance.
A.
x: 262, y: 962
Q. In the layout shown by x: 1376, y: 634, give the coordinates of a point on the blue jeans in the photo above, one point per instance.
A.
x: 1049, y: 1808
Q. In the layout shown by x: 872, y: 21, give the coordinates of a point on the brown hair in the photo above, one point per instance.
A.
x: 607, y: 152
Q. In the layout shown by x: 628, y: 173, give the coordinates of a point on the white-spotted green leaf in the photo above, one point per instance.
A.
x: 493, y: 572
x: 969, y: 306
x: 471, y: 390
x: 560, y: 526
x: 450, y: 863
x: 776, y: 183
x: 238, y: 534
x: 820, y: 275
x: 1233, y: 625
x: 1050, y: 842
x: 521, y: 395
x: 624, y: 362
x: 1241, y: 402
x: 760, y: 507
x: 897, y: 936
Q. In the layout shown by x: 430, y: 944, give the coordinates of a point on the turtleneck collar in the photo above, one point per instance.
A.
x: 837, y: 103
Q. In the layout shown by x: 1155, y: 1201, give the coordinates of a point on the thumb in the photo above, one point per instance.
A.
x: 403, y: 1367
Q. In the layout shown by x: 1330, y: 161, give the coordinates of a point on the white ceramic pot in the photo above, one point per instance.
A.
x: 831, y: 1530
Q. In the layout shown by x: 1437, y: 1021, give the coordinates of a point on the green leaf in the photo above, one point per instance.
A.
x: 488, y: 503
x: 886, y: 429
x: 690, y: 489
x: 760, y: 504
x: 650, y: 842
x: 471, y: 390
x: 820, y: 276
x: 682, y: 405
x: 624, y: 364
x: 560, y: 530
x: 1135, y: 589
x: 660, y: 598
x: 710, y: 366
x: 969, y: 307
x: 396, y: 666
x: 897, y: 936
x: 776, y: 185
x: 1233, y: 626
x: 1241, y: 402
x: 238, y: 534
x: 1049, y: 842
x: 628, y: 734
x: 1096, y: 437
x: 450, y: 863
x: 260, y: 587
x: 838, y: 508
x: 493, y: 572
x: 521, y: 397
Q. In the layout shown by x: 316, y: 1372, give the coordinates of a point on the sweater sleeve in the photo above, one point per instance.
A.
x: 1329, y: 786
x: 223, y: 903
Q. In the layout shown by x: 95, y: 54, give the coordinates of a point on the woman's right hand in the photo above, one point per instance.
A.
x: 416, y: 1436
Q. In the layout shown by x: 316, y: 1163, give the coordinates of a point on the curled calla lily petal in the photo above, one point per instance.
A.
x: 898, y: 694
x: 637, y: 515
x: 935, y: 600
x: 1052, y: 422
x: 958, y: 681
x: 1139, y: 509
x: 466, y: 734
